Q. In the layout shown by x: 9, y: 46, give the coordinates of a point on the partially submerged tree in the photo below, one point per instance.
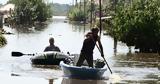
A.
x: 138, y: 24
x: 81, y: 11
x: 76, y: 14
x: 28, y: 11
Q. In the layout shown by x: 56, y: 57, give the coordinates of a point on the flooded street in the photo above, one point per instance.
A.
x: 133, y: 68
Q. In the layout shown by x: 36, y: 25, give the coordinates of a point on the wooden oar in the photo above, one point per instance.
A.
x: 114, y: 77
x: 18, y: 54
x: 104, y: 59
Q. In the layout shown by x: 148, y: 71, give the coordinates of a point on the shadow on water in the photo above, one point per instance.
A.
x: 38, y: 27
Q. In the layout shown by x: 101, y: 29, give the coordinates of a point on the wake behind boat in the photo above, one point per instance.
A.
x: 82, y: 72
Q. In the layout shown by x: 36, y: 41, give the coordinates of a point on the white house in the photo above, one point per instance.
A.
x: 6, y: 10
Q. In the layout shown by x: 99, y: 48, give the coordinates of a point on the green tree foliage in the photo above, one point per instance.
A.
x: 80, y: 12
x: 3, y: 41
x: 138, y: 24
x: 76, y: 14
x: 28, y: 11
x: 59, y: 9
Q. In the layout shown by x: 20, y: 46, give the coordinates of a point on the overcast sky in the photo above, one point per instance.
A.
x: 54, y: 1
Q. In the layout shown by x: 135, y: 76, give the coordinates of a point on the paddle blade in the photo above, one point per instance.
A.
x: 17, y: 54
x: 115, y: 78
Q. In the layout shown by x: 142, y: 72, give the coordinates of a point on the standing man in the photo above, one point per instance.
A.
x: 52, y: 47
x: 88, y: 47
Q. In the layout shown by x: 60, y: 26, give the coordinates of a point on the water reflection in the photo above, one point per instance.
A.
x: 137, y: 60
x: 137, y: 67
x: 55, y: 67
x: 50, y: 81
x: 78, y: 81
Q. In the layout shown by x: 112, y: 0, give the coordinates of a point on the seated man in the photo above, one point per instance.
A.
x: 52, y: 47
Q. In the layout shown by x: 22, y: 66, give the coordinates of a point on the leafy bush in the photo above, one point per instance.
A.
x: 3, y: 41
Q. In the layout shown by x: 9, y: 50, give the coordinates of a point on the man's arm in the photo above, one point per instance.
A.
x: 46, y: 49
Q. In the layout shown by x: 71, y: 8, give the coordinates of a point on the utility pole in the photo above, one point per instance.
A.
x: 84, y: 11
x: 76, y: 2
x: 91, y: 17
x: 100, y: 15
x: 115, y: 39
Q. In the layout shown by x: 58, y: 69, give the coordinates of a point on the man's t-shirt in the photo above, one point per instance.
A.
x: 52, y: 48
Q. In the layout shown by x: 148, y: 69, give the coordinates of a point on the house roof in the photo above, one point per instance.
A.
x: 108, y: 17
